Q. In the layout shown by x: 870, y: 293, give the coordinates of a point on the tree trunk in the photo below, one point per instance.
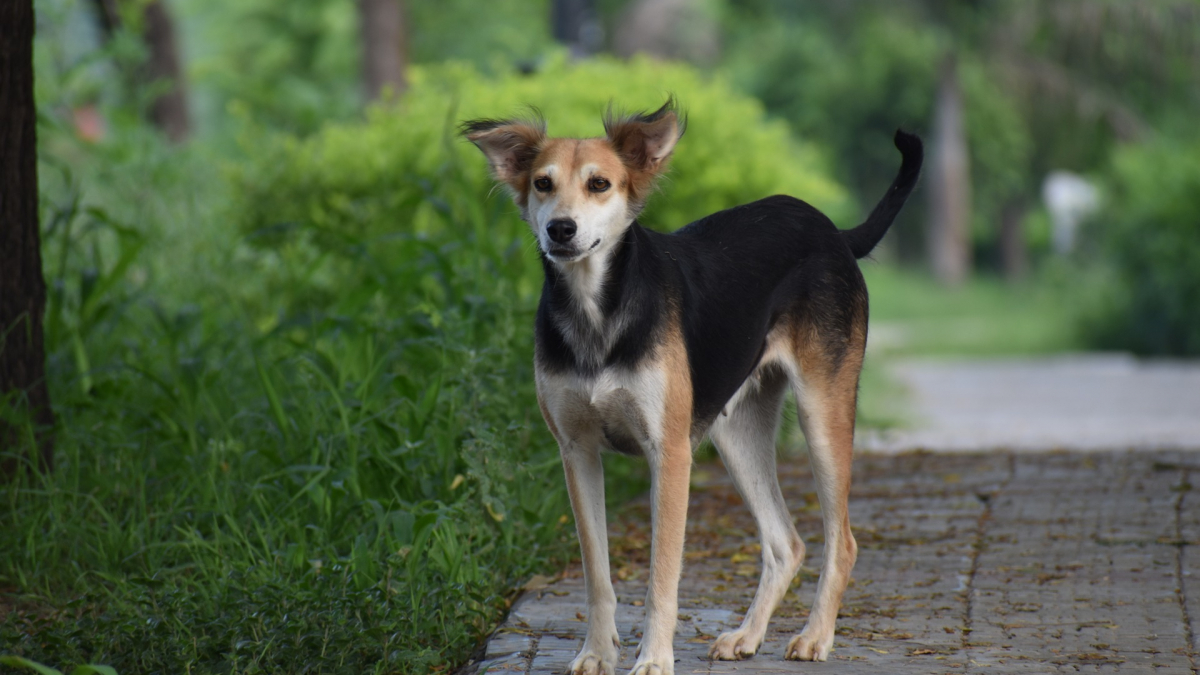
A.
x: 168, y: 111
x: 381, y: 24
x: 1014, y: 255
x: 669, y: 29
x: 107, y: 16
x: 949, y: 238
x: 22, y: 288
x: 577, y: 25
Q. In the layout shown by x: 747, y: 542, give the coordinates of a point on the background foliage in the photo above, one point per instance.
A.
x: 299, y: 430
x: 290, y: 359
x: 1147, y: 247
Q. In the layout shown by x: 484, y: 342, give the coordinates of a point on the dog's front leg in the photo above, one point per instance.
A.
x: 585, y: 483
x: 670, y: 467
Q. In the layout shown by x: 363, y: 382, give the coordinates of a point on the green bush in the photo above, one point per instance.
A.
x: 1149, y: 240
x: 303, y: 436
x: 377, y: 179
x: 355, y: 487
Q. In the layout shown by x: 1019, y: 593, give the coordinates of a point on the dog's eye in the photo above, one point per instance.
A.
x: 543, y: 184
x: 598, y: 185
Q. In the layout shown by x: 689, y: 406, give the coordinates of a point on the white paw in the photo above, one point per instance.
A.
x: 593, y: 661
x: 807, y: 646
x: 733, y: 646
x: 652, y: 666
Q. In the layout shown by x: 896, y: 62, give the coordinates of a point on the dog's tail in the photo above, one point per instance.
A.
x: 866, y: 236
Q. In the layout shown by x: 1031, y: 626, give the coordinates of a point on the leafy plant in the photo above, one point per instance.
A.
x: 18, y: 662
x: 1149, y: 264
x: 250, y: 480
x: 380, y: 180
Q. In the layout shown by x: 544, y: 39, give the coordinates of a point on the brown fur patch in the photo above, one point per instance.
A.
x: 570, y: 156
x: 644, y: 142
x: 677, y: 418
x: 511, y: 146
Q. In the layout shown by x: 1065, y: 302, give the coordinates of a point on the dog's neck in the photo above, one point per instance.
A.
x: 585, y: 297
x: 586, y: 280
x: 592, y: 284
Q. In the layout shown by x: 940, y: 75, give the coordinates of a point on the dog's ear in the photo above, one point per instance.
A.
x: 645, y: 142
x: 510, y: 147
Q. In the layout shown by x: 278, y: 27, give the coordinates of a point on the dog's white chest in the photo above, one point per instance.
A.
x: 622, y: 408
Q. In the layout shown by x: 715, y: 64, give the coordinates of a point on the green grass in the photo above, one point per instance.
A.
x: 913, y: 315
x: 290, y: 450
x: 257, y: 473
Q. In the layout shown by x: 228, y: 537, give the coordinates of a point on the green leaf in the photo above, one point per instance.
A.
x: 94, y: 670
x: 18, y: 662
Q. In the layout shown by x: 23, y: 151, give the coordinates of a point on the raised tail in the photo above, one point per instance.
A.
x: 866, y: 236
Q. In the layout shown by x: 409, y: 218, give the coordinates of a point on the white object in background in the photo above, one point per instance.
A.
x: 1070, y: 198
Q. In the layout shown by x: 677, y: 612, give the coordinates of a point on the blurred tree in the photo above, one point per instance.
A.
x: 169, y: 109
x: 673, y: 29
x: 949, y: 174
x: 384, y: 48
x: 161, y: 72
x: 1044, y: 84
x: 22, y: 287
x: 577, y: 26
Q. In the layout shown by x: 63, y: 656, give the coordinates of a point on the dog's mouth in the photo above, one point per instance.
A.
x: 564, y: 254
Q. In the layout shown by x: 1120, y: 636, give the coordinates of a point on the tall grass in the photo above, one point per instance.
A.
x: 262, y: 470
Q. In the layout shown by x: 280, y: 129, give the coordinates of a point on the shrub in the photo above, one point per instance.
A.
x: 377, y: 179
x: 304, y: 438
x: 1149, y: 237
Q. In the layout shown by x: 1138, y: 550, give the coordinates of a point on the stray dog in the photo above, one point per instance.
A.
x: 648, y: 342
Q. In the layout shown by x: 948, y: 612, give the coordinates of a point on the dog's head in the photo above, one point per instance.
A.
x: 579, y: 194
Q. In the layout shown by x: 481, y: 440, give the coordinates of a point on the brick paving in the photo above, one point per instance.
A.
x: 981, y: 563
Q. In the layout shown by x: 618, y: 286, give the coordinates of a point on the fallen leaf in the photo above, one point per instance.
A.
x: 537, y: 582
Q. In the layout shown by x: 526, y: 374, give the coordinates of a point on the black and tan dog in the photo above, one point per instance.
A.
x: 648, y: 342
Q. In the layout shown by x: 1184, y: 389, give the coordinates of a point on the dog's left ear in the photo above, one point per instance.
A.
x: 511, y: 146
x: 645, y: 142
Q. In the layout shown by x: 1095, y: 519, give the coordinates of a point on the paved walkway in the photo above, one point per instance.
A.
x: 982, y: 563
x: 1077, y: 402
x: 1011, y: 561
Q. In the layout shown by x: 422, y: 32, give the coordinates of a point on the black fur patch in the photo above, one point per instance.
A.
x: 728, y: 279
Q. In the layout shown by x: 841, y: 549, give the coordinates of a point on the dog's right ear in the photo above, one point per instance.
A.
x: 510, y: 147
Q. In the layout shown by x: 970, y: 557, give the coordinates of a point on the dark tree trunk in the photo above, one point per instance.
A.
x: 169, y: 110
x: 107, y: 16
x: 1014, y: 255
x: 949, y: 237
x: 669, y: 29
x: 577, y: 25
x: 22, y: 288
x: 381, y: 24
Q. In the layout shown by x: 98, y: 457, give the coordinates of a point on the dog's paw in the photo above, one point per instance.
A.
x: 651, y: 666
x: 733, y: 646
x: 809, y: 647
x: 591, y: 663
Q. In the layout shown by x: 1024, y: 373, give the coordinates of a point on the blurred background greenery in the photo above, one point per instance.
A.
x: 288, y: 327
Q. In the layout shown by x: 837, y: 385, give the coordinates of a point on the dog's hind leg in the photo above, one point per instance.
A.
x: 826, y: 394
x: 746, y: 441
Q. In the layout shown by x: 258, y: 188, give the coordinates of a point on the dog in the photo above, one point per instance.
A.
x: 646, y: 343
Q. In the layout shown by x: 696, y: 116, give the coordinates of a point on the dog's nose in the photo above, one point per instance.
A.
x: 561, y: 230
